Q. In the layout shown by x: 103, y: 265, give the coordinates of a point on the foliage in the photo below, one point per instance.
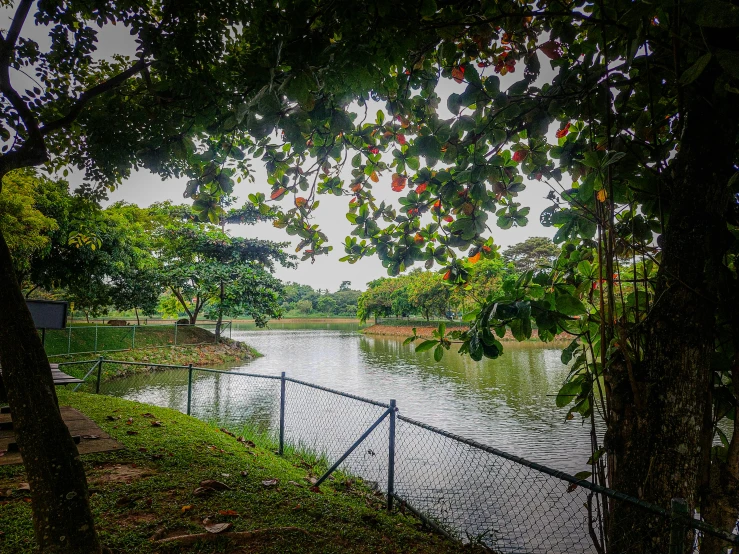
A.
x: 304, y: 299
x: 632, y: 132
x: 531, y: 253
x: 25, y: 227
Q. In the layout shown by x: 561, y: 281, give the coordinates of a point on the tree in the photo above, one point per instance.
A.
x: 326, y: 304
x: 634, y: 134
x: 202, y: 265
x: 304, y: 306
x: 643, y: 103
x: 428, y: 293
x: 345, y: 286
x: 531, y: 253
x: 26, y: 228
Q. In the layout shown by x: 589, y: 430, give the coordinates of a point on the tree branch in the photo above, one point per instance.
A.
x: 15, y: 28
x: 89, y: 94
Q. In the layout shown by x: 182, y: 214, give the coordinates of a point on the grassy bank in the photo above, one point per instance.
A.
x: 148, y: 492
x: 82, y: 338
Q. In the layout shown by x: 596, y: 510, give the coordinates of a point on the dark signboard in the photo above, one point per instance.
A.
x: 48, y: 314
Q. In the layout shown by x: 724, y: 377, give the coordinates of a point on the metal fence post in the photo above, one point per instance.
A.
x: 96, y: 339
x: 679, y: 509
x: 69, y: 339
x: 189, y: 387
x: 175, y: 333
x: 391, y: 457
x: 100, y: 374
x: 282, y: 414
x: 133, y: 338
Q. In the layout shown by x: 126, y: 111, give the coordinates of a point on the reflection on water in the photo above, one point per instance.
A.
x: 507, y: 403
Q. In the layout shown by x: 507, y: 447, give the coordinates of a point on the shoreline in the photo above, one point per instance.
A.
x: 426, y: 332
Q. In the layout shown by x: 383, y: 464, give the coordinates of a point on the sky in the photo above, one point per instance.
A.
x: 144, y: 188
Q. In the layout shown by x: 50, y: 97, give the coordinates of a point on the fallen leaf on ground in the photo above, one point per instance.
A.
x: 147, y: 414
x: 229, y: 433
x: 216, y: 528
x: 294, y: 483
x: 129, y: 421
x: 316, y: 489
x: 132, y: 432
x: 311, y: 480
x: 225, y: 475
x: 156, y: 423
x: 244, y: 473
x: 228, y: 512
x: 186, y: 508
x: 215, y: 485
x: 90, y: 437
x: 202, y: 491
x: 142, y: 449
x: 157, y: 456
x: 24, y: 487
x: 112, y: 418
x: 270, y: 482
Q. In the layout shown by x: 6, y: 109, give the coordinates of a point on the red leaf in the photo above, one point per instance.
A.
x: 458, y: 74
x: 278, y: 193
x: 420, y: 188
x: 474, y: 259
x: 552, y: 49
x: 401, y: 138
x: 563, y: 132
x: 447, y: 274
x: 520, y: 155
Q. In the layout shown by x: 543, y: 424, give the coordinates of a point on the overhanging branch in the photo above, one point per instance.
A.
x: 89, y: 94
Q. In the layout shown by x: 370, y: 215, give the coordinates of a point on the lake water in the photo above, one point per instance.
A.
x: 506, y: 403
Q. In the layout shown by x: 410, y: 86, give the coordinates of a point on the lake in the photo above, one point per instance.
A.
x: 506, y: 403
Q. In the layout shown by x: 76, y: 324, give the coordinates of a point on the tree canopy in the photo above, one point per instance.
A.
x: 624, y: 113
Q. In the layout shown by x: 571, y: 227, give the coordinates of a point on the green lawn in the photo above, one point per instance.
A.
x: 148, y: 489
x: 82, y: 338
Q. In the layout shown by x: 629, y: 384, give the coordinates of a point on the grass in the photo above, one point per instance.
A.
x: 146, y: 489
x: 121, y: 338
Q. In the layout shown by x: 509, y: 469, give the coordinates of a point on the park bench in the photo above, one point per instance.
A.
x: 59, y: 377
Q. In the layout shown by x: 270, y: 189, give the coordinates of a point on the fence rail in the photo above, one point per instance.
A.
x: 93, y: 339
x: 467, y: 490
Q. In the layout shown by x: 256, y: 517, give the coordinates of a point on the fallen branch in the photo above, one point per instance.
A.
x: 241, y: 536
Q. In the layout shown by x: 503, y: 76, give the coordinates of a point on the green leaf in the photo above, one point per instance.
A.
x: 438, y: 353
x: 583, y: 475
x: 695, y: 70
x: 569, y: 305
x: 569, y: 392
x: 426, y: 345
x: 729, y: 61
x: 718, y: 14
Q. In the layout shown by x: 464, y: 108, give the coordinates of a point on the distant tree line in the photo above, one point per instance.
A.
x: 303, y: 300
x: 145, y: 261
x: 429, y: 295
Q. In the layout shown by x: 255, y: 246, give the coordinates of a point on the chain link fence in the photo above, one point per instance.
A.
x: 469, y: 491
x: 92, y: 339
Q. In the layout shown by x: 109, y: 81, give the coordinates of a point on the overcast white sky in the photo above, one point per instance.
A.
x: 144, y: 188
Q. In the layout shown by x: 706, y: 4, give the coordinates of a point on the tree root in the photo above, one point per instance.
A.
x: 241, y: 536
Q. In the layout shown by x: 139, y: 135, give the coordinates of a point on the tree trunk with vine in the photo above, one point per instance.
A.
x: 655, y: 445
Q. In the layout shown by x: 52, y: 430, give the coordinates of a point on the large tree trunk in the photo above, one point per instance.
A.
x: 655, y: 447
x: 61, y: 512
